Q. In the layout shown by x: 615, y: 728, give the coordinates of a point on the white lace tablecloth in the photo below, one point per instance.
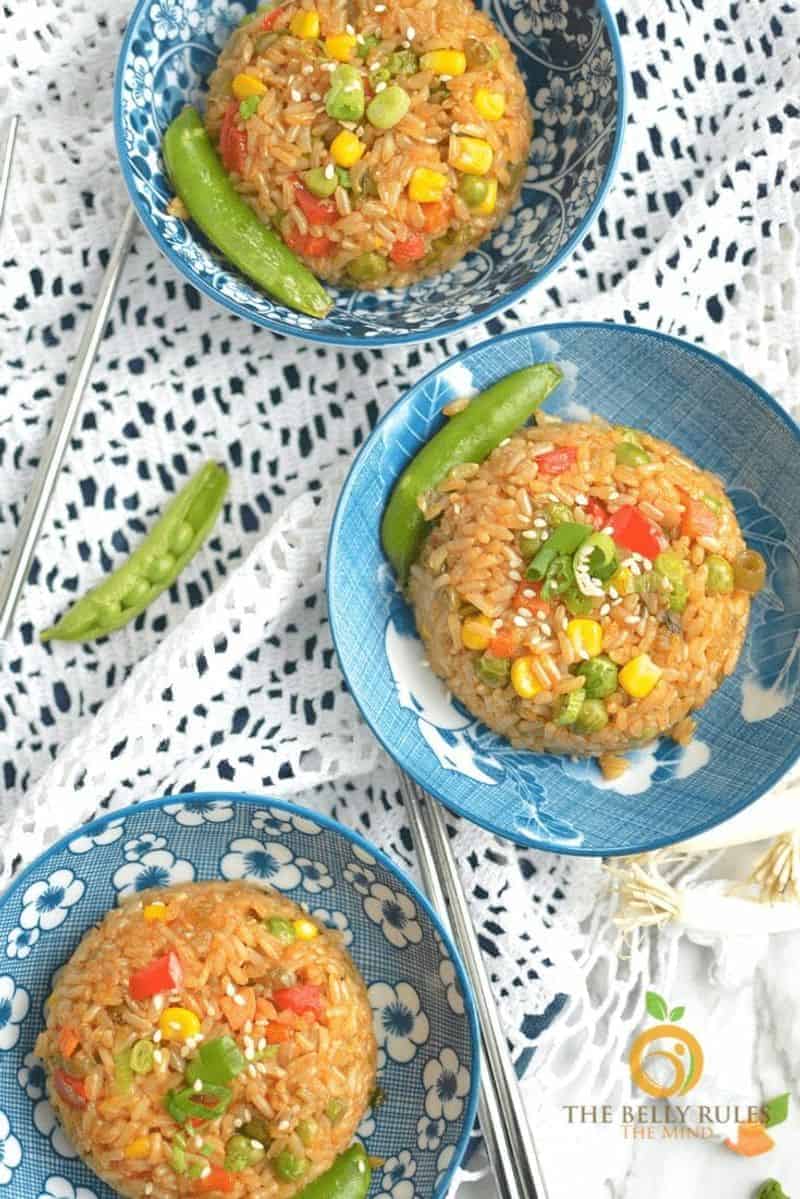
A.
x: 229, y: 680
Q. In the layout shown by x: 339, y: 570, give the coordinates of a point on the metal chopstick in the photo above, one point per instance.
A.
x: 509, y: 1143
x: 5, y: 165
x: 18, y: 565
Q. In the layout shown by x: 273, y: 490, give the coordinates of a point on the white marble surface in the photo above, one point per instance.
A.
x: 749, y: 1028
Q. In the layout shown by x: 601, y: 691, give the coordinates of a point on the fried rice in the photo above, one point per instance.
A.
x: 293, y: 1012
x: 372, y: 229
x: 671, y: 613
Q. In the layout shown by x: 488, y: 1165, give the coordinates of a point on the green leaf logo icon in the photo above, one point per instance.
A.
x: 656, y: 1006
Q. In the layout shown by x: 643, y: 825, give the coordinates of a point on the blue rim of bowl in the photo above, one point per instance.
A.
x: 382, y: 339
x: 793, y: 427
x: 333, y: 826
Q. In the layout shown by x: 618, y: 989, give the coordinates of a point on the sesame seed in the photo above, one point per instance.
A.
x: 148, y: 1188
x: 158, y: 1002
x: 631, y: 620
x: 445, y: 78
x: 548, y: 632
x: 581, y: 500
x: 525, y: 612
x: 308, y: 69
x: 237, y: 1123
x: 262, y: 1069
x: 411, y: 33
x: 262, y: 1042
x: 248, y: 1027
x: 230, y: 989
x: 248, y: 1115
x: 251, y: 1070
x: 328, y: 66
x: 330, y: 171
x: 240, y: 1000
x: 505, y: 441
x: 256, y: 1144
x: 540, y: 523
x: 296, y: 96
x: 612, y: 591
x: 647, y: 564
x: 605, y: 609
x: 360, y: 39
x: 635, y: 568
x: 349, y: 29
x: 520, y: 622
x: 198, y: 1085
x: 380, y: 86
x: 204, y: 1173
x: 158, y: 1056
x: 314, y: 96
x: 529, y: 593
x: 613, y: 495
x: 380, y: 8
x: 157, y: 1035
x: 249, y: 1053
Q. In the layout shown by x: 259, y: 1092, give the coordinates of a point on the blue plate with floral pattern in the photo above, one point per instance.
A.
x: 570, y: 56
x: 424, y: 1016
x: 748, y: 734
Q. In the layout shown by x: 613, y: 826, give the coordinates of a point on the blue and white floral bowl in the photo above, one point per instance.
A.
x: 424, y: 1016
x: 748, y: 734
x: 570, y: 56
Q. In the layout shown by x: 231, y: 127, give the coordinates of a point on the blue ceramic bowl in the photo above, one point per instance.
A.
x: 570, y: 55
x: 423, y: 1012
x: 749, y: 733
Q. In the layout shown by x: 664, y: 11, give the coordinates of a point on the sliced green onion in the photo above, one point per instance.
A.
x: 281, y: 929
x: 123, y: 1074
x: 142, y: 1057
x: 565, y: 539
x: 492, y: 671
x: 569, y: 706
x: 560, y: 578
x: 184, y: 1103
x: 177, y: 1155
x: 719, y: 577
x: 629, y: 454
x: 713, y: 503
x: 218, y: 1062
x: 334, y: 1110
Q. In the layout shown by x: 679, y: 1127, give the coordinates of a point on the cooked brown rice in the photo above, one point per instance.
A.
x: 370, y: 217
x: 297, y: 1065
x: 474, y: 562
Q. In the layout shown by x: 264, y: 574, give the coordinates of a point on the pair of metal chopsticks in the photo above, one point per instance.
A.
x: 505, y: 1129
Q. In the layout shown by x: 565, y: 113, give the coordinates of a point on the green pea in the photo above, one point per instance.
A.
x: 569, y: 706
x: 249, y: 107
x: 282, y: 929
x: 307, y: 1131
x: 182, y: 538
x: 558, y: 514
x: 628, y: 454
x: 367, y: 267
x: 388, y: 107
x: 345, y: 99
x: 160, y: 568
x: 678, y: 597
x: 343, y: 177
x: 628, y: 434
x: 135, y: 593
x: 600, y: 676
x: 241, y: 1152
x: 370, y: 41
x: 719, y: 579
x: 318, y: 182
x: 671, y: 566
x: 288, y: 1166
x: 492, y: 671
x: 403, y: 62
x: 334, y: 1110
x: 592, y: 716
x: 473, y: 190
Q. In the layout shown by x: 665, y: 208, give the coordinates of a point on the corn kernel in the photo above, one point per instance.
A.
x: 639, y: 676
x: 622, y: 581
x: 477, y: 632
x: 490, y: 105
x: 340, y: 46
x: 138, y: 1149
x: 586, y: 636
x: 178, y: 1024
x: 444, y: 62
x: 472, y: 155
x: 305, y: 24
x: 489, y: 202
x: 247, y: 85
x: 523, y: 680
x: 346, y: 149
x: 305, y: 930
x: 155, y: 911
x: 427, y: 186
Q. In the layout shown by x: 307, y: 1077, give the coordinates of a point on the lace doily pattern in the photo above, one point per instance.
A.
x: 699, y: 237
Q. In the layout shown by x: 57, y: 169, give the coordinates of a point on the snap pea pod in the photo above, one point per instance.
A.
x: 469, y: 436
x: 348, y: 1178
x: 202, y: 183
x: 172, y: 542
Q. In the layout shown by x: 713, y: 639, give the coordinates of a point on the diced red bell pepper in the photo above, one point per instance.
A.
x: 232, y: 140
x: 302, y: 998
x: 316, y: 211
x: 555, y: 462
x: 596, y: 513
x: 71, y: 1089
x: 698, y: 520
x: 271, y: 19
x: 307, y: 243
x: 436, y: 216
x: 411, y: 249
x: 634, y: 531
x: 163, y: 974
x: 277, y: 1033
x: 218, y: 1181
x: 534, y: 603
x: 501, y: 645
